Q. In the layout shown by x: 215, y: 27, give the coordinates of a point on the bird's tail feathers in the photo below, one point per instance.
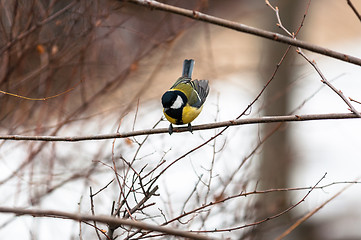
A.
x: 188, y: 68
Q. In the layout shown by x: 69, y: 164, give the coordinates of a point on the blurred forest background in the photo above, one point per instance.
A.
x: 88, y: 67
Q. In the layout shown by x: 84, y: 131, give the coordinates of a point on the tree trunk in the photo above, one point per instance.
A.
x: 276, y: 159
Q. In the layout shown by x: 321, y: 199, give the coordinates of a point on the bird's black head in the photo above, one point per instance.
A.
x: 168, y: 99
x: 174, y: 99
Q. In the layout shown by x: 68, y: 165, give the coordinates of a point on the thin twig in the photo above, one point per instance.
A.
x: 268, y: 218
x: 353, y: 100
x: 146, y: 198
x: 310, y: 214
x: 138, y: 206
x: 93, y: 212
x: 94, y: 194
x: 354, y: 9
x: 325, y: 81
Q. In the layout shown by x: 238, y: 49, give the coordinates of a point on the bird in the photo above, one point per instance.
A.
x: 183, y: 102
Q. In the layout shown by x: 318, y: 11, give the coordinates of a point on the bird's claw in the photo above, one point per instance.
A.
x: 190, y: 128
x: 170, y: 129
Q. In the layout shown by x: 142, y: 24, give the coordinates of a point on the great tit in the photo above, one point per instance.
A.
x: 183, y: 102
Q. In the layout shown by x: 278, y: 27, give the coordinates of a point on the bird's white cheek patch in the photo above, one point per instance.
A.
x: 177, y: 103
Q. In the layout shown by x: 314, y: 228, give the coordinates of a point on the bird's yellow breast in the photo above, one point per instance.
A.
x: 190, y: 113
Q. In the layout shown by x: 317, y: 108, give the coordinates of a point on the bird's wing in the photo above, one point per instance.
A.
x: 202, y: 89
x: 199, y: 90
x: 181, y: 80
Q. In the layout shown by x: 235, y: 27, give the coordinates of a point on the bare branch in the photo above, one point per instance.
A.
x: 228, y: 123
x: 247, y: 29
x: 103, y: 219
x: 313, y: 63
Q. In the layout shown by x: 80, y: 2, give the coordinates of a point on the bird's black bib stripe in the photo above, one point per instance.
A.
x: 176, y: 114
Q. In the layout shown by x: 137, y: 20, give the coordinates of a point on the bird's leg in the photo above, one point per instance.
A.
x: 170, y: 129
x: 190, y: 128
